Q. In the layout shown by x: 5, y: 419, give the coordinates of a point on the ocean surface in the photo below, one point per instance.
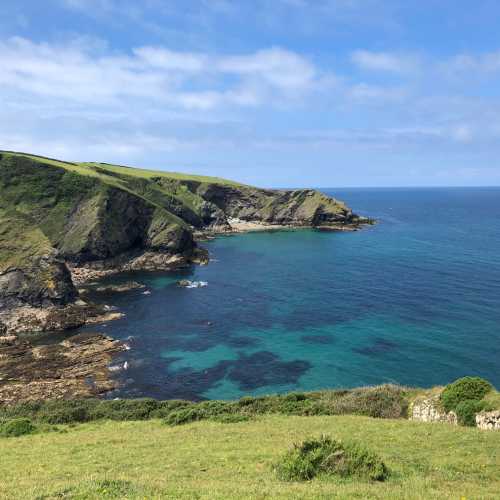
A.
x: 414, y: 300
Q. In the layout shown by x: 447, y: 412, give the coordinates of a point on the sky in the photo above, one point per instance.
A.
x: 276, y: 93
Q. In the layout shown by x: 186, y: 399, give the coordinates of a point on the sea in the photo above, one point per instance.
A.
x: 412, y: 300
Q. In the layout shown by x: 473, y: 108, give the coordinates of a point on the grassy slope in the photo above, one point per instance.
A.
x: 20, y: 241
x: 94, y: 169
x: 137, y: 181
x: 213, y: 460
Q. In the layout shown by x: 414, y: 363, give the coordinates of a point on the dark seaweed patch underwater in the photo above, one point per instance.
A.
x: 414, y: 300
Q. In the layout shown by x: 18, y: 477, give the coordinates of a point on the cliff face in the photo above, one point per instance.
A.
x: 56, y: 214
x: 304, y: 207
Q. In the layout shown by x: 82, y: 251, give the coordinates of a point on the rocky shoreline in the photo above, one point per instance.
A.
x: 64, y: 225
x: 73, y: 368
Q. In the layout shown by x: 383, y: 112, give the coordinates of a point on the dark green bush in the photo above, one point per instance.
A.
x: 463, y: 389
x: 326, y: 456
x: 125, y: 409
x: 466, y: 411
x: 164, y: 408
x: 67, y: 415
x: 184, y: 416
x: 17, y: 427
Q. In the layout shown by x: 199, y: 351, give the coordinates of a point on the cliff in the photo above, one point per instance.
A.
x: 64, y: 222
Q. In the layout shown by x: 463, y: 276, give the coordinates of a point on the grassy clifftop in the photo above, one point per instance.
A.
x: 224, y: 461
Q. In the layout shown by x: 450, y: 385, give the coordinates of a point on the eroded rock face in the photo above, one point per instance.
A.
x: 488, y: 420
x: 429, y: 410
x: 302, y: 207
x: 46, y: 282
x: 76, y: 367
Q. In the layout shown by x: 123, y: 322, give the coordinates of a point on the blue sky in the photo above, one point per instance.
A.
x: 290, y: 93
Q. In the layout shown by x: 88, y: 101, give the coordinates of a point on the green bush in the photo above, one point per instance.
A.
x: 326, y: 456
x: 67, y: 415
x: 17, y: 427
x: 385, y: 401
x: 124, y: 409
x: 231, y: 418
x: 463, y: 389
x: 184, y: 416
x: 466, y: 411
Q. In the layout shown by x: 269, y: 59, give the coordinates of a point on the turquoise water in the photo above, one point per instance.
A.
x: 414, y: 300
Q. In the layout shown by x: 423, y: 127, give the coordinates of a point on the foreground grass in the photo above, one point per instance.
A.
x: 214, y: 460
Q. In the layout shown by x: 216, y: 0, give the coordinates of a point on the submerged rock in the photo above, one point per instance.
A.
x: 123, y: 287
x: 192, y: 284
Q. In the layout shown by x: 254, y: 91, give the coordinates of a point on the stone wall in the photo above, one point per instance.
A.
x: 488, y: 420
x: 429, y: 410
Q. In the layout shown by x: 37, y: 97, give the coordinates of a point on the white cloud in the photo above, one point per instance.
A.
x: 474, y: 64
x: 385, y: 61
x: 367, y: 92
x: 170, y: 60
x: 277, y: 67
x: 155, y: 74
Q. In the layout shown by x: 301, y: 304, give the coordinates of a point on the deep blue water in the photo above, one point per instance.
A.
x: 413, y: 300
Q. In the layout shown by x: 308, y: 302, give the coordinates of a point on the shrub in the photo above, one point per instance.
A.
x: 124, y: 409
x: 385, y: 401
x: 328, y: 456
x: 164, y: 408
x: 17, y: 427
x: 231, y: 418
x: 463, y: 389
x: 466, y: 411
x: 184, y: 416
x: 66, y: 415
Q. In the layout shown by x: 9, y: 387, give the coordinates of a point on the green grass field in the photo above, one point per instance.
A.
x: 213, y: 460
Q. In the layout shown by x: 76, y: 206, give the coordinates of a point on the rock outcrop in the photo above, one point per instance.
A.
x: 428, y: 409
x: 488, y: 420
x: 75, y: 367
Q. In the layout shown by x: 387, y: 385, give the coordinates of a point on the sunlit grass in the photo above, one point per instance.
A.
x: 214, y: 460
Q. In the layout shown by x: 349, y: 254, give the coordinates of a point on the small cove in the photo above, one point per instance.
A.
x: 414, y: 300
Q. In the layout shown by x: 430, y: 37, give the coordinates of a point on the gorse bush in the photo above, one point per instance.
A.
x: 463, y: 389
x: 326, y: 456
x: 466, y: 411
x: 16, y: 427
x: 387, y: 401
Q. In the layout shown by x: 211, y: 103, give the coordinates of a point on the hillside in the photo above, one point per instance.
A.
x: 217, y: 460
x: 64, y: 222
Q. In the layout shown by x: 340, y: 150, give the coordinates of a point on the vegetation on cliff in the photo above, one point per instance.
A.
x: 54, y: 213
x: 252, y: 447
